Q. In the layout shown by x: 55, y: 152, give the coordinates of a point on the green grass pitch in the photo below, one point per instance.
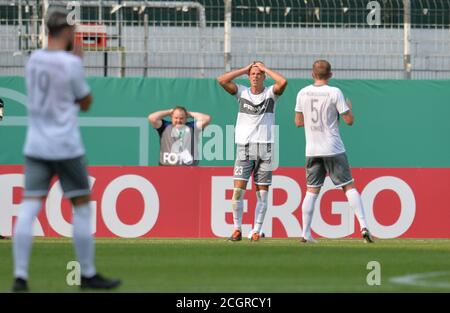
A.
x: 216, y: 265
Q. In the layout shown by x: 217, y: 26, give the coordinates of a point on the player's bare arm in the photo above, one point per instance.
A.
x: 280, y: 80
x: 201, y: 120
x: 225, y: 80
x: 299, y: 119
x: 85, y: 103
x: 348, y: 116
x: 155, y: 118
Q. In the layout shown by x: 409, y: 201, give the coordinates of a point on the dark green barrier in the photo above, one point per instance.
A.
x: 398, y: 123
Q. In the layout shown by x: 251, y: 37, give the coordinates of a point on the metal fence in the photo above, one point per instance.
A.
x: 361, y: 38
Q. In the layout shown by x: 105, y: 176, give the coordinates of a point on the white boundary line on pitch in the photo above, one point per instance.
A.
x: 419, y: 279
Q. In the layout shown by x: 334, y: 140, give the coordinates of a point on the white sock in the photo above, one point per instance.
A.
x: 23, y: 236
x: 238, y: 207
x: 354, y: 199
x: 83, y: 239
x: 307, y: 213
x: 260, y: 210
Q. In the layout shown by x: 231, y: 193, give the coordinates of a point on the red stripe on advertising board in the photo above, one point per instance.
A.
x: 196, y: 202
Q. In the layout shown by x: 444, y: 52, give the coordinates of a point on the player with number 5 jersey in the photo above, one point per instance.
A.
x: 318, y: 108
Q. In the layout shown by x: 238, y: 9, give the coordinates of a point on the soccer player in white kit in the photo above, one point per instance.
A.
x: 57, y: 90
x: 318, y: 108
x: 254, y: 138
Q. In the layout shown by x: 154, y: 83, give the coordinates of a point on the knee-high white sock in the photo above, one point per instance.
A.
x: 260, y: 210
x: 238, y: 207
x: 23, y: 236
x: 83, y: 239
x: 307, y: 213
x: 354, y: 199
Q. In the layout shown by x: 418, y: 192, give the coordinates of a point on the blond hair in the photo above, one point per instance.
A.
x: 322, y: 69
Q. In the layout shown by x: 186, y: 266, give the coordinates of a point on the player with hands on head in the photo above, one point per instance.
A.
x: 179, y: 137
x: 254, y: 138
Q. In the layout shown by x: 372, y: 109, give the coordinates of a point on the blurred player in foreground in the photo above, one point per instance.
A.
x: 317, y: 109
x: 254, y: 138
x: 57, y: 90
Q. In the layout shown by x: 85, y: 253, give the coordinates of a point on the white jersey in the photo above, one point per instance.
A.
x: 256, y: 117
x: 321, y: 106
x: 55, y: 81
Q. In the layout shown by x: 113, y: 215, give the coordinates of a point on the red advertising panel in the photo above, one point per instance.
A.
x: 196, y: 202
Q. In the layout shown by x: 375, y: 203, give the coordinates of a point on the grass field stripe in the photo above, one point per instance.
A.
x: 215, y: 265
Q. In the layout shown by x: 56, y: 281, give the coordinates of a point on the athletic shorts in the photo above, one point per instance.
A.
x: 72, y: 174
x: 336, y: 166
x: 256, y: 158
